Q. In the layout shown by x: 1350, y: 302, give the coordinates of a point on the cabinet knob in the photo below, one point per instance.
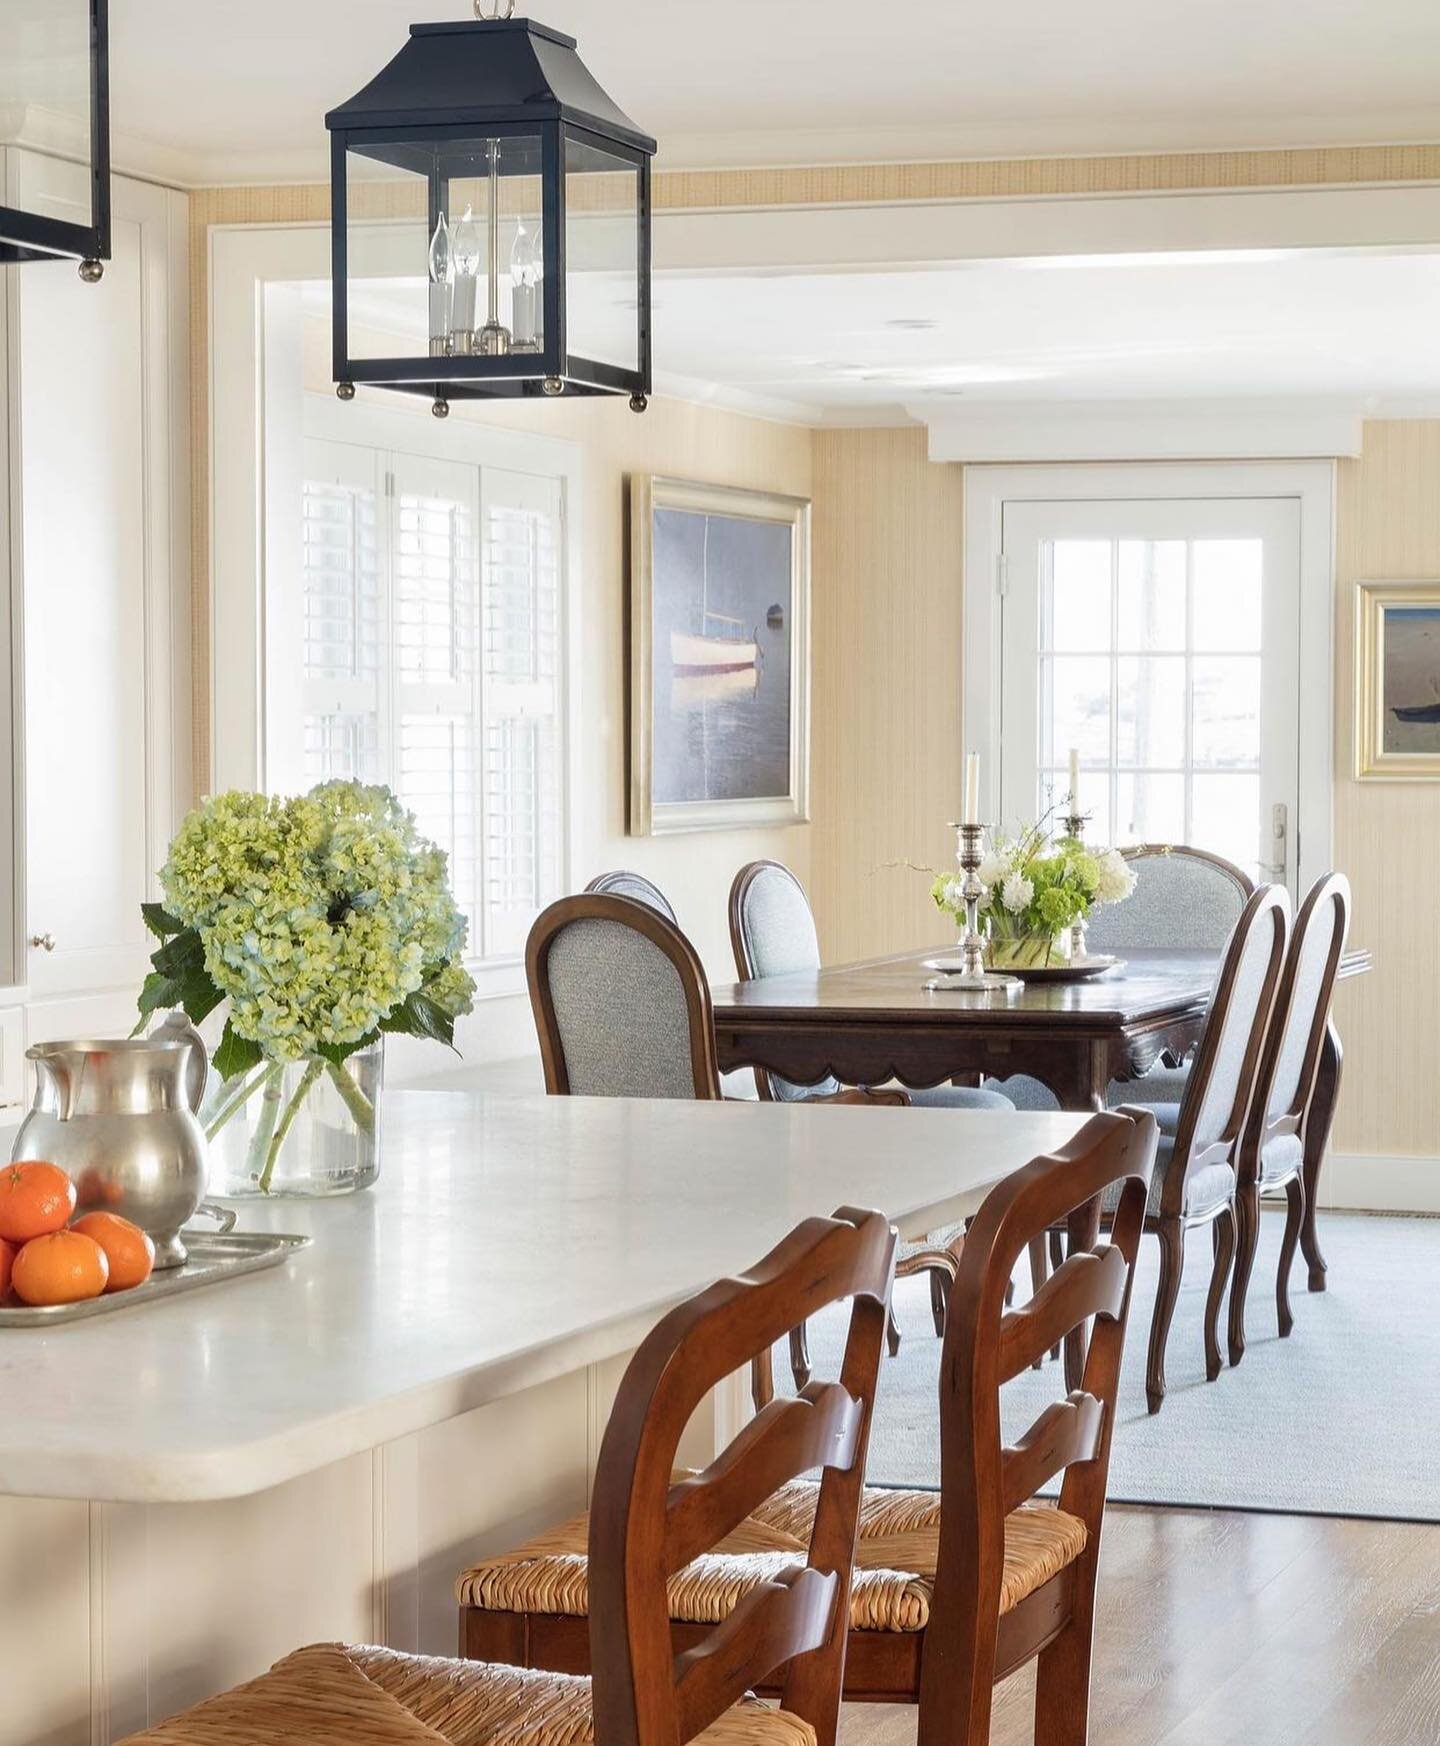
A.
x: 46, y: 942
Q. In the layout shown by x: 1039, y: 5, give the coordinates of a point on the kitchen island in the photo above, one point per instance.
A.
x: 190, y: 1489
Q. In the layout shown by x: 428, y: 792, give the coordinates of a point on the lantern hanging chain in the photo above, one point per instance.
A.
x: 494, y: 11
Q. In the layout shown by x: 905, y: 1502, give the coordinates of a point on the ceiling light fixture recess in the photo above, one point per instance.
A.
x: 492, y: 182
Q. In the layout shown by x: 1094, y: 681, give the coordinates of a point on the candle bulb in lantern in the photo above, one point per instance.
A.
x: 442, y: 283
x: 971, y: 814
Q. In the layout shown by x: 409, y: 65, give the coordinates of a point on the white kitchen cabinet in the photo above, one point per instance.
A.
x: 99, y: 486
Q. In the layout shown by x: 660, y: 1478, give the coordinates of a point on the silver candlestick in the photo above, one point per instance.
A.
x: 1075, y: 823
x: 972, y: 941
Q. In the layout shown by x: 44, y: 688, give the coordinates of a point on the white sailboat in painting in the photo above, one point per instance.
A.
x: 714, y: 655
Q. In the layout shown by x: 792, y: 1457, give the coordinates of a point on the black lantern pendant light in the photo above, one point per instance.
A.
x: 490, y: 213
x: 54, y: 58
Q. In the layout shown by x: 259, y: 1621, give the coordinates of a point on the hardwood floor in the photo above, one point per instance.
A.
x: 1223, y: 1629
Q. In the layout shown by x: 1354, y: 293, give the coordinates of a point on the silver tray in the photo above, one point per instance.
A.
x: 214, y: 1258
x: 1074, y: 970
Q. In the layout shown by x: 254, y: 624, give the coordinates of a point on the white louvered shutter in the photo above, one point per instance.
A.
x: 436, y: 618
x: 342, y: 619
x: 521, y: 691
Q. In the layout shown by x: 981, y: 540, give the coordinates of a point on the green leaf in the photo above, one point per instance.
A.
x: 420, y: 1016
x: 180, y: 956
x: 339, y: 1053
x: 236, y: 1054
x: 159, y: 920
x: 199, y: 996
x: 156, y: 991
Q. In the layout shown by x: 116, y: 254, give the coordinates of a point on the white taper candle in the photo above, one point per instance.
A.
x: 971, y: 814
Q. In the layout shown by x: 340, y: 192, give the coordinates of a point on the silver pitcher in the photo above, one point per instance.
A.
x: 120, y: 1117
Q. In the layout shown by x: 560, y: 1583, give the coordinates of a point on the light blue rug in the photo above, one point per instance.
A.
x: 1343, y: 1418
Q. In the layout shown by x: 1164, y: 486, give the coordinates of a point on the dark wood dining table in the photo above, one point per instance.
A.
x: 876, y: 1021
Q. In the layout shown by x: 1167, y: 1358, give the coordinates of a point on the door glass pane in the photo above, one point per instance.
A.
x: 1151, y: 604
x: 1075, y: 610
x: 1150, y: 711
x: 1077, y: 689
x: 1150, y: 808
x: 1227, y: 593
x: 1226, y: 711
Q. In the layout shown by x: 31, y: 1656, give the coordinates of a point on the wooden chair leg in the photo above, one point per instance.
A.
x: 1224, y: 1240
x: 1247, y: 1237
x: 1172, y: 1264
x: 1294, y: 1221
x: 1062, y: 1687
x: 892, y: 1332
x: 939, y: 1297
x: 800, y: 1367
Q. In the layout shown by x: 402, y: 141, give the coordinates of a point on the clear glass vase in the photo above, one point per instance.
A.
x: 1027, y: 951
x: 307, y: 1128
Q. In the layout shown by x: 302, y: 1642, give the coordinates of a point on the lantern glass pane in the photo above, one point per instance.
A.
x: 45, y: 68
x: 424, y: 280
x: 602, y: 256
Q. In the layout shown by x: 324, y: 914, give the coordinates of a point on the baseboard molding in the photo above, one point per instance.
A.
x: 1371, y: 1182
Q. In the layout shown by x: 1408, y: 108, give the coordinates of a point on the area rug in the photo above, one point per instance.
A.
x: 1343, y: 1418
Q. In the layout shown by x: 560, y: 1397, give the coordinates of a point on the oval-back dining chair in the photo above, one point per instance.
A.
x: 620, y: 882
x: 1272, y: 1152
x: 1196, y: 1170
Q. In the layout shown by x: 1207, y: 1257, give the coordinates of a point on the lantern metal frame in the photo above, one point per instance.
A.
x: 30, y: 236
x: 418, y: 135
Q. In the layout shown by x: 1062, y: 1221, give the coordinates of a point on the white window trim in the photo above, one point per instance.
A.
x: 1310, y: 483
x: 246, y: 262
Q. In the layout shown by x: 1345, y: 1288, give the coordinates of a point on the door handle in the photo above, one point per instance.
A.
x: 1279, y: 869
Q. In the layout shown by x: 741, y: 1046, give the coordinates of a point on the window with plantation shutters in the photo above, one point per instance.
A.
x: 432, y: 648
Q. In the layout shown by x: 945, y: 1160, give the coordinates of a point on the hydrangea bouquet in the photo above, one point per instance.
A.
x: 319, y: 922
x: 1036, y: 889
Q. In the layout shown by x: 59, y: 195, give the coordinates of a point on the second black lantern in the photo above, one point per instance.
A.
x: 491, y: 222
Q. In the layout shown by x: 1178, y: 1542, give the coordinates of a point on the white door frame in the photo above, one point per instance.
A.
x: 1311, y: 483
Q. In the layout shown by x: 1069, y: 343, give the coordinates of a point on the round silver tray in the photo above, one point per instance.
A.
x: 1075, y: 970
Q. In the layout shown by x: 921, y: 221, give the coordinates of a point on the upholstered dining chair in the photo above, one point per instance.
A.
x: 1272, y: 1149
x: 1195, y: 1178
x: 645, y: 1527
x: 621, y: 883
x: 1184, y: 898
x: 623, y: 1009
x: 772, y: 933
x: 951, y: 1590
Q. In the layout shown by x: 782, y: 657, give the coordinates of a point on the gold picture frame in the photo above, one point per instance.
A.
x: 719, y: 628
x: 1397, y: 681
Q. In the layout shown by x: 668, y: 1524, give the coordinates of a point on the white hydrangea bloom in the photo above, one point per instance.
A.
x: 1117, y: 878
x: 1016, y: 893
x: 955, y: 894
x: 993, y: 870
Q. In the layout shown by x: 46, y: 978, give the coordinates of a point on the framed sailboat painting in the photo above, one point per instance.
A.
x: 719, y: 657
x: 1397, y: 646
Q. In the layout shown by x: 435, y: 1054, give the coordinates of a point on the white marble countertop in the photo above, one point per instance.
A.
x: 509, y: 1241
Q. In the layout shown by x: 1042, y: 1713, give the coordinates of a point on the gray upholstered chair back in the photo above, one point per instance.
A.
x: 635, y: 886
x: 620, y: 1002
x: 772, y: 933
x: 1182, y: 897
x: 1302, y: 1008
x: 1222, y: 1077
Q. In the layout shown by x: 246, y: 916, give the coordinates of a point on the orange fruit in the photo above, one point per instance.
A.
x: 129, y: 1251
x: 7, y: 1260
x: 63, y: 1267
x: 35, y: 1199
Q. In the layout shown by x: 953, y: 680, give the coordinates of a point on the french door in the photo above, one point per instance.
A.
x: 1159, y: 638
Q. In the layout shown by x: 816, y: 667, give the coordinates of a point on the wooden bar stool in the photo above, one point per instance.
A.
x: 951, y: 1590
x: 790, y: 1627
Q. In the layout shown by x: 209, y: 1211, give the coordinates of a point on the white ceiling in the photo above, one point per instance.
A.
x: 1258, y: 326
x: 236, y: 90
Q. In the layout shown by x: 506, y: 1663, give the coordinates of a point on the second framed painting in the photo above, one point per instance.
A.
x: 1397, y: 689
x: 719, y: 657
